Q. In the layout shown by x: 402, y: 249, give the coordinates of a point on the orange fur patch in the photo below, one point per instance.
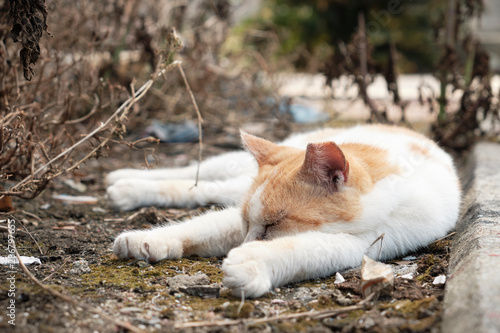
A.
x: 418, y: 149
x: 368, y: 165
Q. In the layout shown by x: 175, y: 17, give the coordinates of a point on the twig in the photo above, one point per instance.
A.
x: 29, y: 233
x: 55, y: 271
x: 308, y: 314
x: 6, y: 228
x: 440, y: 239
x: 69, y: 299
x: 94, y: 109
x: 381, y: 239
x: 200, y: 120
x: 123, y: 108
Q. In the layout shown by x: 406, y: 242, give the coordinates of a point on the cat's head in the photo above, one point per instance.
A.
x: 295, y: 190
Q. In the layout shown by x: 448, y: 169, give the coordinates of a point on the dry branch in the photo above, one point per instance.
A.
x: 308, y: 314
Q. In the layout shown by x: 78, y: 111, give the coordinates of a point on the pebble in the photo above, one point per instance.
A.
x: 80, y: 267
x: 130, y: 310
x: 184, y: 280
x: 338, y: 278
x: 143, y: 264
x: 440, y: 279
x: 203, y: 291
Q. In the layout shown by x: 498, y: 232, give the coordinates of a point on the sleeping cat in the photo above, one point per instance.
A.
x: 306, y: 208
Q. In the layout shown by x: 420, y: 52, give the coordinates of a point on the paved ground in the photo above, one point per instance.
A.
x: 472, y: 296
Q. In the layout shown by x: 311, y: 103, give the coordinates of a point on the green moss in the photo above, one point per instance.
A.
x: 245, y: 311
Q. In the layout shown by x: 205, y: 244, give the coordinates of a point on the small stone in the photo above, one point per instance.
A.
x: 303, y: 294
x: 376, y: 277
x: 368, y: 323
x: 130, y: 310
x: 77, y: 186
x: 143, y: 264
x: 203, y: 291
x: 45, y: 206
x: 80, y: 267
x: 440, y: 279
x: 341, y: 299
x: 338, y: 278
x: 278, y: 301
x: 184, y: 280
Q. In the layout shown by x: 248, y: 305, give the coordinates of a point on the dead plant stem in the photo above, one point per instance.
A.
x: 200, y: 120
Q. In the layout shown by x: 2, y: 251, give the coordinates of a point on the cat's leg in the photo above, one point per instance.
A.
x: 211, y: 234
x: 219, y: 167
x: 128, y: 194
x: 256, y: 267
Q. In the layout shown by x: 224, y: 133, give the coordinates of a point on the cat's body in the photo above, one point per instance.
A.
x: 301, y: 214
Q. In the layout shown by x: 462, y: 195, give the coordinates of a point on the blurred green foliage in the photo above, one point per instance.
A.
x: 310, y: 31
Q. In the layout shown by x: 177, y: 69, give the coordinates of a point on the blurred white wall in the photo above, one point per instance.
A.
x: 487, y: 29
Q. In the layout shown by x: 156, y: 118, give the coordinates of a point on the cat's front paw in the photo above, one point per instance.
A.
x: 146, y: 245
x: 245, y: 272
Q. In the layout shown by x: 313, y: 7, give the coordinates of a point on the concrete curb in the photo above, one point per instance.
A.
x: 472, y: 295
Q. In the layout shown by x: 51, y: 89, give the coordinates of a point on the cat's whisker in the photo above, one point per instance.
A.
x: 242, y: 301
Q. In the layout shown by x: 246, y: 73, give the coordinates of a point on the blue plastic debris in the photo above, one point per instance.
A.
x: 173, y: 133
x: 300, y: 113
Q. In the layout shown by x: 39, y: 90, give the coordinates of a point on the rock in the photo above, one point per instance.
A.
x: 183, y: 281
x: 376, y: 277
x: 405, y: 271
x: 77, y: 186
x: 143, y: 264
x: 338, y: 278
x: 303, y: 294
x: 341, y: 299
x: 80, y: 267
x: 130, y: 310
x: 203, y: 291
x: 440, y: 279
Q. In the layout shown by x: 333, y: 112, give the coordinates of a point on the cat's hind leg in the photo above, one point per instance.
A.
x: 219, y: 167
x: 211, y: 234
x: 128, y: 194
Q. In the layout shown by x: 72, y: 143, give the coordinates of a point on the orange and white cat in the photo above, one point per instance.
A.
x: 306, y: 208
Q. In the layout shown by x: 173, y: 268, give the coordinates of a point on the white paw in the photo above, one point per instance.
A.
x: 128, y: 194
x: 245, y: 270
x: 116, y: 175
x: 147, y: 245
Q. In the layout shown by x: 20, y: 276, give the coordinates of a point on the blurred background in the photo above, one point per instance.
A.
x: 268, y: 66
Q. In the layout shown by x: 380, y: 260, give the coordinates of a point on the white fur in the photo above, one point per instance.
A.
x: 412, y: 208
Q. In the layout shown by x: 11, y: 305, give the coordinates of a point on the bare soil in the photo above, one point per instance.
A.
x: 61, y: 235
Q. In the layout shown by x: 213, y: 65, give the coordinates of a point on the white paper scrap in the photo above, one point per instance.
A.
x: 24, y: 259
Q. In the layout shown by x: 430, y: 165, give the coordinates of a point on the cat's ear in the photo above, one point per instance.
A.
x: 325, y: 165
x: 261, y: 149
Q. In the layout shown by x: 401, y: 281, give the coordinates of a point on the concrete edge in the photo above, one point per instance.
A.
x: 472, y: 294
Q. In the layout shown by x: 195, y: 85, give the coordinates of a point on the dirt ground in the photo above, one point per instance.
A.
x: 61, y: 235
